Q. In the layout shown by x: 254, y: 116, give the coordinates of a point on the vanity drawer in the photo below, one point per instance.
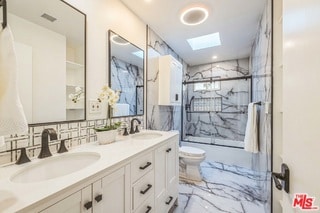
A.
x: 147, y: 206
x: 141, y: 166
x: 143, y: 189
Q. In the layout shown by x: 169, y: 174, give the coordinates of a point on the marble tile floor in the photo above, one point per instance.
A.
x: 224, y: 188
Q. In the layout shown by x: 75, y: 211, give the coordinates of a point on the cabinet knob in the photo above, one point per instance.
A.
x: 149, y: 186
x: 177, y: 97
x: 88, y: 205
x: 98, y: 198
x: 169, y: 201
x: 148, y: 209
x: 168, y: 150
x: 146, y: 166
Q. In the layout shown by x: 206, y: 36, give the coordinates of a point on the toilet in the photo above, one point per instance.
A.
x: 190, y: 159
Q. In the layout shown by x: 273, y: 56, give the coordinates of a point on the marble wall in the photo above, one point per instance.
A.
x: 128, y: 79
x: 227, y: 116
x: 261, y: 69
x: 160, y: 117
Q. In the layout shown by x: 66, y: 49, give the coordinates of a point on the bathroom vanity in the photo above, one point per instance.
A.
x: 137, y: 173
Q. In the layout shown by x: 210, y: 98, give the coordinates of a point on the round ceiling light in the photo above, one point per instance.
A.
x: 194, y: 15
x: 118, y: 40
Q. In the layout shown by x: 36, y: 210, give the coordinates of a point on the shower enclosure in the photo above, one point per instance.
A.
x: 215, y: 104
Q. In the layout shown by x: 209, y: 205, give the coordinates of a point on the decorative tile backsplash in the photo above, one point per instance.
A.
x: 77, y: 133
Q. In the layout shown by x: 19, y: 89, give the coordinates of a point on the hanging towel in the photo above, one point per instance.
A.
x: 12, y: 117
x: 251, y: 136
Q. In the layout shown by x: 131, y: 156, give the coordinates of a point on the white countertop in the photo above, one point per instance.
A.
x: 17, y: 196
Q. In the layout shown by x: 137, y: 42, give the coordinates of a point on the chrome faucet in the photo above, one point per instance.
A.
x: 132, y: 131
x: 45, y: 151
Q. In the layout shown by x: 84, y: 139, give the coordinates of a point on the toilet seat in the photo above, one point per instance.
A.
x: 191, y: 151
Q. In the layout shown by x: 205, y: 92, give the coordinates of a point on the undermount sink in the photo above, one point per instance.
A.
x: 54, y: 167
x: 146, y: 136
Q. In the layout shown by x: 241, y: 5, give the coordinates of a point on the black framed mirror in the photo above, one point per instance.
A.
x: 126, y: 74
x: 51, y: 59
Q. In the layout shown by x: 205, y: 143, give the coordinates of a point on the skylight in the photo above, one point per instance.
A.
x: 138, y: 53
x: 206, y: 41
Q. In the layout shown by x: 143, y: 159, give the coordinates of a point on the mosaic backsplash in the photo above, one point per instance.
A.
x: 77, y: 133
x: 224, y: 114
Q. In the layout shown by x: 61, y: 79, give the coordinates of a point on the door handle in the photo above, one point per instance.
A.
x: 284, y: 177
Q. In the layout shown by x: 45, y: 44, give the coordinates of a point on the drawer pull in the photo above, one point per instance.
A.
x: 148, y: 209
x: 168, y: 150
x: 169, y: 201
x: 146, y: 166
x: 98, y: 198
x: 88, y: 205
x: 147, y: 189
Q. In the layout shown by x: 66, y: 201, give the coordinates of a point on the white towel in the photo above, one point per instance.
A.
x: 251, y: 136
x: 12, y: 117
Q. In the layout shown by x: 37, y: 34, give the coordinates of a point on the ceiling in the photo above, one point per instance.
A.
x: 237, y: 22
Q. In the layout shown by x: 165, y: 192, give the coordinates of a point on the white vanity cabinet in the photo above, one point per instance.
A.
x: 71, y: 204
x: 108, y: 194
x: 167, y: 175
x: 146, y: 182
x: 170, y: 78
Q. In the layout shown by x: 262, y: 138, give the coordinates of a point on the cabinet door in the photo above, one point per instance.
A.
x: 97, y: 197
x: 172, y: 171
x: 115, y: 188
x: 175, y: 82
x: 71, y: 204
x: 160, y: 178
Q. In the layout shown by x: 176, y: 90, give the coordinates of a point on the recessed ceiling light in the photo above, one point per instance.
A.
x: 214, y: 57
x: 118, y: 40
x: 206, y: 41
x: 194, y: 15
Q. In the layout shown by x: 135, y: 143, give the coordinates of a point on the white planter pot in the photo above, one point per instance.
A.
x: 106, y: 137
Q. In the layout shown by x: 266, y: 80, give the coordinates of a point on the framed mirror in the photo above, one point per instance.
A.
x: 126, y: 74
x: 51, y: 59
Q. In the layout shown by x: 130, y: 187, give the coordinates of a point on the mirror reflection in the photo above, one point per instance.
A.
x: 50, y: 59
x: 126, y: 63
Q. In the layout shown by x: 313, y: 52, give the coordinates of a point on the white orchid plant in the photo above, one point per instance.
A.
x: 111, y: 97
x: 77, y: 95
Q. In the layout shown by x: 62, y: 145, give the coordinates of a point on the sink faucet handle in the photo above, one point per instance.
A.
x: 137, y: 129
x: 23, y: 157
x: 63, y: 147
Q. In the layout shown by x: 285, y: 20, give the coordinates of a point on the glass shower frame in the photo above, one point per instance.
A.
x: 218, y: 108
